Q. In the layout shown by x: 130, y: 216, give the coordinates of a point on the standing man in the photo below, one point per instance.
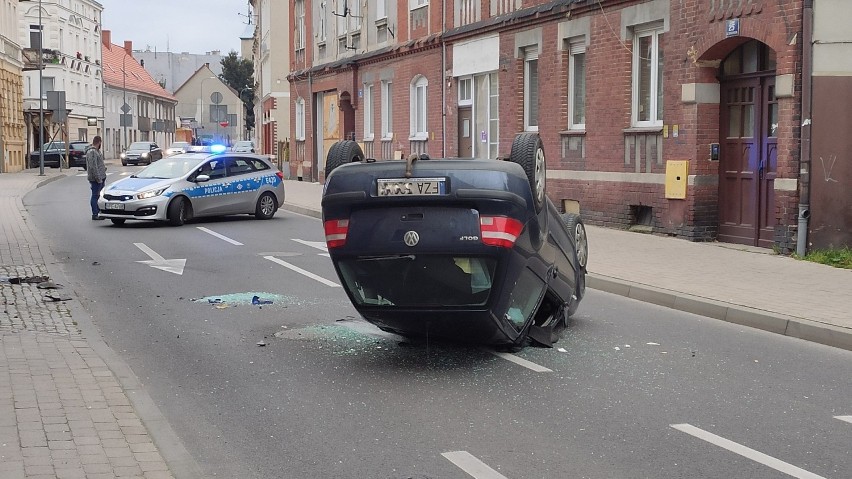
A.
x: 96, y: 172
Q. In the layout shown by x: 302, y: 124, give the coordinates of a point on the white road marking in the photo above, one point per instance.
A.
x: 302, y: 271
x: 220, y: 236
x: 170, y: 265
x: 320, y: 245
x: 471, y: 465
x: 746, y: 452
x: 520, y: 361
x: 844, y: 418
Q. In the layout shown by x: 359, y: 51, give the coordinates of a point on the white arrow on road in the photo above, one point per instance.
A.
x: 171, y: 265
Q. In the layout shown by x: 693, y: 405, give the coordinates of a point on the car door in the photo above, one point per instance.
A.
x: 210, y: 197
x: 244, y: 185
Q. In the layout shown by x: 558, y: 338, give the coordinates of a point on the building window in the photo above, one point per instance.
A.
x: 340, y: 12
x: 413, y: 4
x: 647, y: 78
x: 368, y: 111
x: 322, y: 19
x: 531, y: 89
x: 300, y: 119
x: 381, y: 9
x: 465, y: 91
x: 577, y: 86
x: 354, y: 15
x: 47, y: 84
x: 419, y: 108
x: 387, y: 110
x: 381, y: 33
x: 299, y: 35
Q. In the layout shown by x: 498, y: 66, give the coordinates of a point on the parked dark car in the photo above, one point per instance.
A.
x: 464, y: 249
x: 141, y: 152
x: 55, y: 151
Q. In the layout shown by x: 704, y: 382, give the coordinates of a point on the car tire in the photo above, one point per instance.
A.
x: 266, y: 206
x: 178, y: 211
x: 528, y: 151
x: 123, y: 163
x: 574, y: 225
x: 118, y: 221
x: 341, y: 153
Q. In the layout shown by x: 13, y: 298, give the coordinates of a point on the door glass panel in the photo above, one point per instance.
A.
x: 748, y: 121
x: 750, y: 57
x: 735, y: 121
x: 465, y: 128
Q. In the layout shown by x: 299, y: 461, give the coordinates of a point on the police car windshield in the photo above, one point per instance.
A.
x: 168, y: 168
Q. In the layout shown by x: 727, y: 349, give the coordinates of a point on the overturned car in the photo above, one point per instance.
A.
x: 462, y: 249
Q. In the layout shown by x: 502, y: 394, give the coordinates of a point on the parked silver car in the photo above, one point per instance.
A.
x: 243, y: 146
x: 190, y: 185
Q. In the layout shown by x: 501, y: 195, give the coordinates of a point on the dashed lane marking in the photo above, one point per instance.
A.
x: 844, y: 418
x: 320, y: 245
x: 475, y: 468
x: 220, y: 236
x: 746, y: 452
x: 520, y: 361
x: 302, y: 271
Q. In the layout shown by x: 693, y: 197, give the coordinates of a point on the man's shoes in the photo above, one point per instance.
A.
x: 97, y: 218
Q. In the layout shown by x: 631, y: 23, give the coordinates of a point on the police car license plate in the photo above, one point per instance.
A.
x: 114, y: 206
x: 411, y: 186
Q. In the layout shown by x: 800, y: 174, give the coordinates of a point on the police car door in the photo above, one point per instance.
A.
x: 243, y: 187
x: 211, y: 196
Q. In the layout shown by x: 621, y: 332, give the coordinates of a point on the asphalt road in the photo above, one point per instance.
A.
x: 631, y: 390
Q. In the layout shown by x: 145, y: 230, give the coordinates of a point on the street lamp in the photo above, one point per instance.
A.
x: 124, y: 96
x: 40, y: 93
x: 202, y: 100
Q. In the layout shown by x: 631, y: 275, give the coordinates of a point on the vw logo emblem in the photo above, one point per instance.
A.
x: 411, y: 238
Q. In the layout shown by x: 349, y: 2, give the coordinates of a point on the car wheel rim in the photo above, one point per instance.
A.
x: 267, y: 206
x: 539, y: 174
x: 582, y: 244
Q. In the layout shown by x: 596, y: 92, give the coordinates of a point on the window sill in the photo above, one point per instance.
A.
x: 380, y: 22
x: 388, y: 138
x: 577, y: 132
x: 419, y: 137
x: 636, y: 130
x: 368, y: 138
x: 418, y: 7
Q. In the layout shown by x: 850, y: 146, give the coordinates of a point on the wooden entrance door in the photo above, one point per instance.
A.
x: 748, y: 163
x: 465, y: 133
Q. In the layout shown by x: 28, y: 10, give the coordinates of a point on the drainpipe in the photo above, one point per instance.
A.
x: 443, y: 79
x: 805, y: 157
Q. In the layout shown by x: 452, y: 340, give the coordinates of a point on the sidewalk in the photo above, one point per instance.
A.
x: 68, y: 404
x: 740, y: 284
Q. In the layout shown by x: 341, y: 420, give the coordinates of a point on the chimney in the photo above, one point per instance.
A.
x: 106, y: 37
x: 128, y: 47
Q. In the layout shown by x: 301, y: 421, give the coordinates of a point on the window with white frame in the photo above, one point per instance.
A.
x: 419, y: 108
x: 465, y: 91
x: 381, y: 9
x: 354, y: 15
x: 340, y: 13
x: 417, y: 3
x: 531, y: 89
x: 323, y: 11
x: 387, y: 109
x: 299, y: 34
x: 368, y: 111
x: 647, y: 77
x: 300, y: 119
x: 577, y: 86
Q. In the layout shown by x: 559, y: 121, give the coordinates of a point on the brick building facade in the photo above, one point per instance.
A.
x: 678, y: 117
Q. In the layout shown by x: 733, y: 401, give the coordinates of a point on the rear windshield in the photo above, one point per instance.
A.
x: 419, y: 280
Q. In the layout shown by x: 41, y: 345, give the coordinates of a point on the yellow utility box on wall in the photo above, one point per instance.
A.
x: 677, y: 172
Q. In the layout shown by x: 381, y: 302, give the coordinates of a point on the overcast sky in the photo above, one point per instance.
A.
x: 194, y: 26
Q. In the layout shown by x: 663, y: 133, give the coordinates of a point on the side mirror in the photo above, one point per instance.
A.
x: 202, y: 178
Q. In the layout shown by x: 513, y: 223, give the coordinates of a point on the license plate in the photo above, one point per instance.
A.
x: 412, y: 187
x: 114, y: 206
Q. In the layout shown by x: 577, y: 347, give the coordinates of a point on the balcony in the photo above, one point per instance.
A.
x: 30, y: 58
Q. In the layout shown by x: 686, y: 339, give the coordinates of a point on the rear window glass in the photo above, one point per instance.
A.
x: 258, y: 164
x: 419, y: 280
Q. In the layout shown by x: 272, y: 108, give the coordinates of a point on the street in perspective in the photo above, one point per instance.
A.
x: 505, y: 240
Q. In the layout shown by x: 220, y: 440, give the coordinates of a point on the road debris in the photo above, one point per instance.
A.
x: 257, y: 301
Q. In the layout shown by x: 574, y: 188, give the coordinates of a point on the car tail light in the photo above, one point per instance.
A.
x: 335, y: 232
x: 498, y: 230
x: 280, y: 175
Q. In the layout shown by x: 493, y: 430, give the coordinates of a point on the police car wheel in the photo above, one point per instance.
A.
x: 528, y: 151
x: 341, y: 153
x: 266, y: 206
x: 178, y: 211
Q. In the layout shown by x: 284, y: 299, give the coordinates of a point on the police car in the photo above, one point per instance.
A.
x: 463, y: 249
x: 191, y: 185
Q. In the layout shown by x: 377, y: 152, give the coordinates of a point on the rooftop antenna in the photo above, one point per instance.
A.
x: 248, y: 14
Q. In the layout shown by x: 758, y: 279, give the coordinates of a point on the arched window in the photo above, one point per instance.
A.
x: 419, y: 107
